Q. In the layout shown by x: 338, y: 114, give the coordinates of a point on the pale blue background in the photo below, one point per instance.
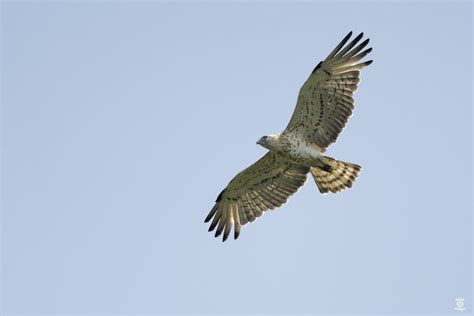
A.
x: 123, y: 121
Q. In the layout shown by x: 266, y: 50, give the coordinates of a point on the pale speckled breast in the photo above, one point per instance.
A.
x: 299, y: 150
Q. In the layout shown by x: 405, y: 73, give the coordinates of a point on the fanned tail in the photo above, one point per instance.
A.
x: 335, y: 176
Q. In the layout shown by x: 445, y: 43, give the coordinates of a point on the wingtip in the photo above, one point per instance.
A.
x: 213, y: 225
x: 358, y: 37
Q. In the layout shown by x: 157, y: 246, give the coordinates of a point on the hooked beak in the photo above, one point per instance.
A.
x: 259, y: 142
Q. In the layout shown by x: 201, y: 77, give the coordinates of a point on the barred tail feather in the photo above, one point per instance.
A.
x: 339, y: 175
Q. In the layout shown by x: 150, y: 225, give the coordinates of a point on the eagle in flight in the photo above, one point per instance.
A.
x: 323, y: 107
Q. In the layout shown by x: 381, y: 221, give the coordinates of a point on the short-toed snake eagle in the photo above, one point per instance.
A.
x: 324, y: 105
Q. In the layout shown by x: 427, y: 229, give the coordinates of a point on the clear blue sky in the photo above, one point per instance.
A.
x: 121, y: 122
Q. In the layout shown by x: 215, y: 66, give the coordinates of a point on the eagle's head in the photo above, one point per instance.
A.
x: 269, y: 141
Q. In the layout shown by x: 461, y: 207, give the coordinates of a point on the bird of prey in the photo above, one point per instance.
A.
x: 323, y: 107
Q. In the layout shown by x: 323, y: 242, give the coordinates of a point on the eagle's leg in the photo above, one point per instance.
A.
x: 323, y: 164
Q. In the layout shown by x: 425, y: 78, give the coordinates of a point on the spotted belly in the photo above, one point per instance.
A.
x: 301, y: 152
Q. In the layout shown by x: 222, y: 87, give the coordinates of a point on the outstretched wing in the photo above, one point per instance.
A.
x: 325, y: 100
x: 266, y: 184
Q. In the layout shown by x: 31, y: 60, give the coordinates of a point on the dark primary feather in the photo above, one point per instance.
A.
x: 339, y: 46
x: 350, y: 45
